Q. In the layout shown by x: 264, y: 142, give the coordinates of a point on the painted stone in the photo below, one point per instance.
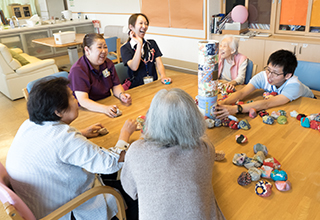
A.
x: 267, y: 119
x: 249, y: 162
x: 259, y: 156
x: 294, y: 114
x: 233, y: 125
x: 317, y: 118
x: 233, y: 118
x: 305, y: 122
x: 263, y: 188
x: 209, y: 123
x: 238, y: 159
x: 244, y: 179
x: 244, y: 124
x: 260, y: 147
x: 220, y: 155
x: 266, y: 171
x: 272, y: 162
x: 225, y: 122
x: 217, y: 122
x: 263, y: 113
x: 299, y: 116
x: 275, y: 114
x: 240, y: 139
x: 255, y: 173
x: 252, y: 113
x: 314, y: 124
x: 283, y: 185
x: 279, y: 175
x: 282, y: 119
x: 282, y: 112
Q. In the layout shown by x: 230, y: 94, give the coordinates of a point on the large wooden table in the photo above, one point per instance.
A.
x: 295, y: 147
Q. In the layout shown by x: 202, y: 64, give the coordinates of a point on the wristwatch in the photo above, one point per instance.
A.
x: 239, y: 109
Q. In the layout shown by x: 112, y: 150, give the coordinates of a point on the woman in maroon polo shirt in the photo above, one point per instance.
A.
x: 94, y: 75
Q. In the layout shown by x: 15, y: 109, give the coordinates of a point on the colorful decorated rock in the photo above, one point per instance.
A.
x: 220, y: 155
x: 259, y: 156
x: 233, y: 125
x: 266, y: 94
x: 315, y: 124
x: 312, y: 117
x: 249, y: 162
x: 260, y: 147
x: 275, y: 114
x: 267, y: 119
x: 140, y: 122
x: 279, y: 175
x: 263, y: 188
x: 252, y: 113
x: 255, y: 173
x: 317, y: 118
x: 272, y: 162
x: 282, y: 112
x: 305, y: 122
x: 299, y: 116
x: 282, y: 119
x: 233, y: 118
x: 239, y: 102
x: 263, y: 113
x: 244, y: 179
x: 231, y: 90
x: 103, y: 131
x: 209, y: 123
x: 238, y: 159
x: 294, y: 114
x: 266, y: 171
x: 244, y: 124
x: 217, y: 122
x: 273, y: 93
x: 225, y: 122
x: 283, y: 185
x: 240, y: 139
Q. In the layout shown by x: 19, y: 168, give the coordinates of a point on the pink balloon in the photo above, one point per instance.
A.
x: 239, y: 14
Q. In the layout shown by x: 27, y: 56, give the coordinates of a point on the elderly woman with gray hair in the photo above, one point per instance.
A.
x: 170, y: 169
x: 232, y: 65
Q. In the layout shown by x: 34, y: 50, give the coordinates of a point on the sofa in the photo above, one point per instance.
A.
x: 17, y: 69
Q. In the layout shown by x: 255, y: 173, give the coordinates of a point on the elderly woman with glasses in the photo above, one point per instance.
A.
x: 278, y: 77
x: 94, y: 75
x: 232, y: 65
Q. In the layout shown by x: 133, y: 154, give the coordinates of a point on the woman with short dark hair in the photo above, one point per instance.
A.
x: 50, y: 162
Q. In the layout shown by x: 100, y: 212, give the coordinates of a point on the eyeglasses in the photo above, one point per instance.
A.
x: 272, y: 73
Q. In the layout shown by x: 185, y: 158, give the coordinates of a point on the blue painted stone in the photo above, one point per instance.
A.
x: 317, y: 118
x: 217, y: 122
x: 305, y: 122
x: 267, y: 119
x: 244, y: 124
x: 282, y: 112
x: 279, y: 175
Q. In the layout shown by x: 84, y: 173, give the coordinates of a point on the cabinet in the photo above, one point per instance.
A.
x: 20, y: 11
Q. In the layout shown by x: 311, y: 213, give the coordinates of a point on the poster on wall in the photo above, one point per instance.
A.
x: 71, y: 3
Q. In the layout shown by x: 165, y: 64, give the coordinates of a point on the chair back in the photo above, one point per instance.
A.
x: 27, y: 90
x: 113, y: 44
x: 251, y: 71
x: 309, y: 74
x: 122, y: 72
x: 13, y: 205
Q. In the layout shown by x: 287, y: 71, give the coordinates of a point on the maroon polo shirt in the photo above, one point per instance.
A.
x: 83, y: 77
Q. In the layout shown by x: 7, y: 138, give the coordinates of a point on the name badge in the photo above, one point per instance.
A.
x: 106, y: 73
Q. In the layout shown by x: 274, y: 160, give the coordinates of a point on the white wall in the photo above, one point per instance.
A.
x: 180, y: 44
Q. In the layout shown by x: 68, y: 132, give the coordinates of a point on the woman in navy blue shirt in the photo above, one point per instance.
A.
x: 140, y: 55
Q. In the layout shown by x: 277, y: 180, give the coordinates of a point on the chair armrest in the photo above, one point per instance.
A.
x: 74, y: 203
x: 17, y: 50
x: 35, y: 66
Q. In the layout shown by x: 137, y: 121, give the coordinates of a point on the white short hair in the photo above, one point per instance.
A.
x: 174, y: 119
x: 233, y: 43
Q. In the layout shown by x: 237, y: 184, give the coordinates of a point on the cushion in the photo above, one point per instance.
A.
x: 18, y: 57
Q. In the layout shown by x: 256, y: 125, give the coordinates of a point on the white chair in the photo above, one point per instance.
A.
x: 14, y: 77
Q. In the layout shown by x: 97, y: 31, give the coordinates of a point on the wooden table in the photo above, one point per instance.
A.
x: 72, y: 47
x: 295, y: 147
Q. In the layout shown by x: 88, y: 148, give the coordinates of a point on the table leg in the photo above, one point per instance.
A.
x: 73, y: 54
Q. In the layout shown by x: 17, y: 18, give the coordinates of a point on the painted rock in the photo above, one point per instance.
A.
x: 279, y: 175
x: 240, y: 139
x: 231, y: 90
x: 266, y: 171
x: 238, y: 159
x: 239, y: 102
x: 312, y: 117
x: 233, y: 118
x: 252, y: 113
x: 299, y: 116
x: 140, y: 122
x: 259, y: 156
x: 249, y: 162
x: 263, y: 113
x: 217, y: 122
x: 274, y: 93
x: 209, y: 123
x: 272, y: 162
x: 233, y: 125
x: 275, y: 114
x: 283, y: 185
x: 225, y: 122
x: 294, y: 114
x: 266, y: 94
x: 255, y: 173
x: 305, y: 122
x: 260, y: 147
x: 244, y: 179
x: 314, y: 124
x: 282, y: 119
x: 244, y: 124
x: 267, y: 119
x: 282, y: 112
x: 263, y: 188
x: 220, y: 155
x: 317, y: 118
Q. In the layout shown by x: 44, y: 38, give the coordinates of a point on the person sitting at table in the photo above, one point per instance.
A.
x: 170, y: 170
x: 140, y: 55
x: 50, y: 162
x: 232, y: 65
x: 277, y: 76
x: 94, y: 75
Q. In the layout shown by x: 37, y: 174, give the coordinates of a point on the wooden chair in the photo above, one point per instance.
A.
x: 27, y: 90
x: 16, y: 209
x: 113, y: 44
x: 250, y: 72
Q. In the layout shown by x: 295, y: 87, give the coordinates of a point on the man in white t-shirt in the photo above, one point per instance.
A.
x: 277, y: 77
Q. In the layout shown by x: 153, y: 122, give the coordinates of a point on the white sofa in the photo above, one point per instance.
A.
x: 14, y: 77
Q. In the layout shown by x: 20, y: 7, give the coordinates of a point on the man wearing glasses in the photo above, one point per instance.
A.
x: 278, y: 76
